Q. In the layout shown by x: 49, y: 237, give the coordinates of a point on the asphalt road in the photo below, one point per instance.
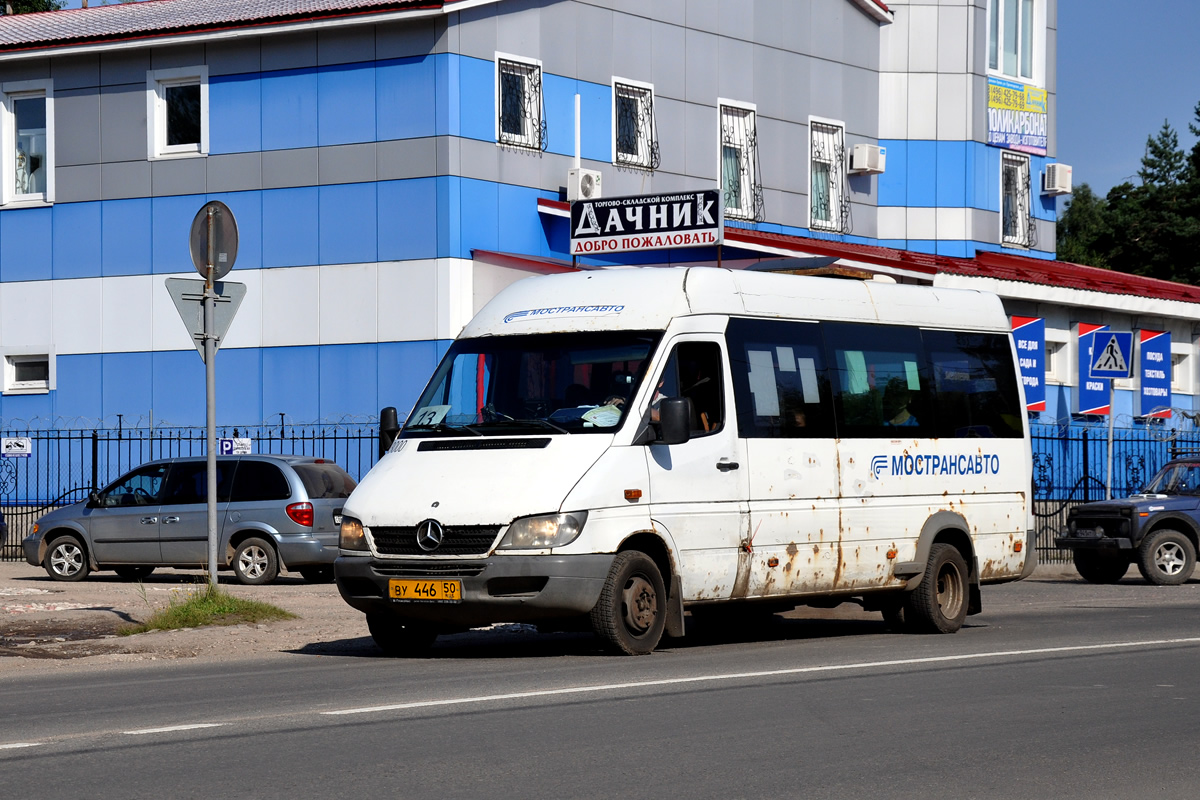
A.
x: 1059, y: 689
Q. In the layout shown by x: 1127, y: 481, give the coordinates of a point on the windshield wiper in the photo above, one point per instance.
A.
x: 544, y: 422
x: 442, y: 427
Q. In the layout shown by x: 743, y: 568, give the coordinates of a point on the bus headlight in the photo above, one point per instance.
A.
x: 540, y: 533
x: 351, y: 535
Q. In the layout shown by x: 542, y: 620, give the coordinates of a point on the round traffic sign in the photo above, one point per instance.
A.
x: 214, y: 240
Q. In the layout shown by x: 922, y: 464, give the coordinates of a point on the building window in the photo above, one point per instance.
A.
x: 635, y: 139
x: 1017, y: 228
x: 1181, y: 368
x: 829, y: 207
x: 739, y: 162
x: 28, y: 138
x: 28, y: 373
x: 1010, y: 37
x: 520, y: 121
x: 177, y: 112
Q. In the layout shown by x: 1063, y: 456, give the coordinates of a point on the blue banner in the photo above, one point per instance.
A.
x: 1029, y: 334
x: 1154, y: 366
x: 1092, y: 394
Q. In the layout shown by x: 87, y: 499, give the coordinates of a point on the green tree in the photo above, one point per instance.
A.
x: 31, y: 6
x: 1082, y: 227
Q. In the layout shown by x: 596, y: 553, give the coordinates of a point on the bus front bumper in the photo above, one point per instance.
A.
x: 495, y: 589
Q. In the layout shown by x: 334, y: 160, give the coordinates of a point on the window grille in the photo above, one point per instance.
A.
x: 829, y: 203
x: 635, y: 133
x: 1016, y: 211
x: 740, y: 180
x: 521, y: 122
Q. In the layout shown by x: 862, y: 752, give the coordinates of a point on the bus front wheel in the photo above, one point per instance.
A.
x: 939, y: 603
x: 631, y: 612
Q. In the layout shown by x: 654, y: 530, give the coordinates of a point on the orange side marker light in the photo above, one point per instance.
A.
x: 633, y: 494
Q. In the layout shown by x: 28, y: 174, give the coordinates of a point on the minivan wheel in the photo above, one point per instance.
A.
x: 400, y: 637
x: 631, y: 612
x: 1167, y: 558
x: 133, y: 573
x: 939, y: 603
x: 66, y: 560
x: 254, y: 562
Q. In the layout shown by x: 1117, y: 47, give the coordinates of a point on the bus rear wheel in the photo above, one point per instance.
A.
x: 631, y: 612
x: 939, y: 603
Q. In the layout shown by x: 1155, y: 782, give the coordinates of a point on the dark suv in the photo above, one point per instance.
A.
x: 1157, y: 529
x: 272, y: 512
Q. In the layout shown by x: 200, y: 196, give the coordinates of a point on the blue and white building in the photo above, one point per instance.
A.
x: 392, y: 164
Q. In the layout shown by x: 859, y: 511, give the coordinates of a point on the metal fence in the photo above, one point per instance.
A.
x: 1069, y: 465
x: 64, y: 465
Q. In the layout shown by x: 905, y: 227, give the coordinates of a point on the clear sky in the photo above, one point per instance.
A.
x: 1123, y: 67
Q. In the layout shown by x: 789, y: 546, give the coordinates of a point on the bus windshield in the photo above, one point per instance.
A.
x: 555, y: 383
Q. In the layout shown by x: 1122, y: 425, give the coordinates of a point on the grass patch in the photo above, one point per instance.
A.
x: 208, y: 604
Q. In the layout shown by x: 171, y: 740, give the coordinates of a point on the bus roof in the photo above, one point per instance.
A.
x: 645, y: 298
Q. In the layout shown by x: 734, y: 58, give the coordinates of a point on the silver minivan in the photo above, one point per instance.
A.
x: 273, y: 512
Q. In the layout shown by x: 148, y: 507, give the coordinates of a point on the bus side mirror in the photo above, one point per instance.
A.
x: 674, y: 420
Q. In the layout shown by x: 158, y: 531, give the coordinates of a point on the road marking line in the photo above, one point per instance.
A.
x: 174, y: 728
x: 15, y: 745
x: 733, y: 676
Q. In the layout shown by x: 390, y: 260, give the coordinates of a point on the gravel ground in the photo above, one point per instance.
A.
x: 50, y: 625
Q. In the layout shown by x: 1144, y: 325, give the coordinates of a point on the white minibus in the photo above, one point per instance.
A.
x: 621, y: 446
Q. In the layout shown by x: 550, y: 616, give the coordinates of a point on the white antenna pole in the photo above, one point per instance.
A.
x: 576, y: 131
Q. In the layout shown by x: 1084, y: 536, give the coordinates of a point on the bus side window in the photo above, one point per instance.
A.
x: 880, y: 381
x: 975, y: 383
x: 694, y: 371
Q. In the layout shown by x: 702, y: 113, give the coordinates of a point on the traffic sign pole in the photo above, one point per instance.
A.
x: 1111, y: 415
x: 210, y: 390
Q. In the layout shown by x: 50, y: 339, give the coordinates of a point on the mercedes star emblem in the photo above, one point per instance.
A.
x: 430, y: 535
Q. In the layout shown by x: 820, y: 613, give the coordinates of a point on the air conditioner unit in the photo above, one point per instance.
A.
x: 1057, y: 179
x: 868, y: 159
x: 583, y: 184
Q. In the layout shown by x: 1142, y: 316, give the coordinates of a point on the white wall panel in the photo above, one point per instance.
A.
x: 922, y: 223
x: 922, y: 38
x: 77, y: 315
x: 169, y: 331
x: 408, y: 301
x: 951, y: 223
x: 291, y: 306
x: 23, y: 308
x: 892, y: 222
x: 128, y: 323
x: 922, y: 106
x: 893, y: 105
x: 349, y: 309
x: 247, y: 330
x: 952, y: 110
x: 893, y: 42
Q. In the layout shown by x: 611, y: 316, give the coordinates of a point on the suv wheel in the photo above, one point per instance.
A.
x: 1097, y: 566
x: 1167, y: 558
x: 254, y: 562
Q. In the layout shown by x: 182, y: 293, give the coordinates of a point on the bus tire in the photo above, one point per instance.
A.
x: 631, y: 612
x: 400, y: 637
x: 1100, y: 567
x: 1166, y: 558
x: 939, y: 603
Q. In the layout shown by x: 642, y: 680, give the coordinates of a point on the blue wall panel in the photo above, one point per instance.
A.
x: 171, y: 221
x: 247, y: 210
x: 891, y: 189
x: 125, y: 243
x: 240, y: 386
x: 349, y: 381
x: 447, y: 71
x: 289, y: 227
x: 127, y: 383
x: 404, y: 369
x: 477, y: 99
x: 26, y: 254
x: 76, y: 240
x: 289, y: 380
x: 480, y: 212
x: 346, y: 104
x: 177, y: 390
x: 405, y: 98
x: 407, y: 219
x: 348, y: 224
x: 79, y: 398
x: 235, y: 113
x: 449, y: 217
x: 921, y: 174
x: 951, y: 174
x: 289, y: 109
x: 32, y: 410
x: 519, y: 224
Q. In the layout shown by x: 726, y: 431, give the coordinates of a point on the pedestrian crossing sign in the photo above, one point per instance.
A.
x: 1112, y: 354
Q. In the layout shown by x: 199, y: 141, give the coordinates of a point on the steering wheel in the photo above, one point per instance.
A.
x: 141, y: 494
